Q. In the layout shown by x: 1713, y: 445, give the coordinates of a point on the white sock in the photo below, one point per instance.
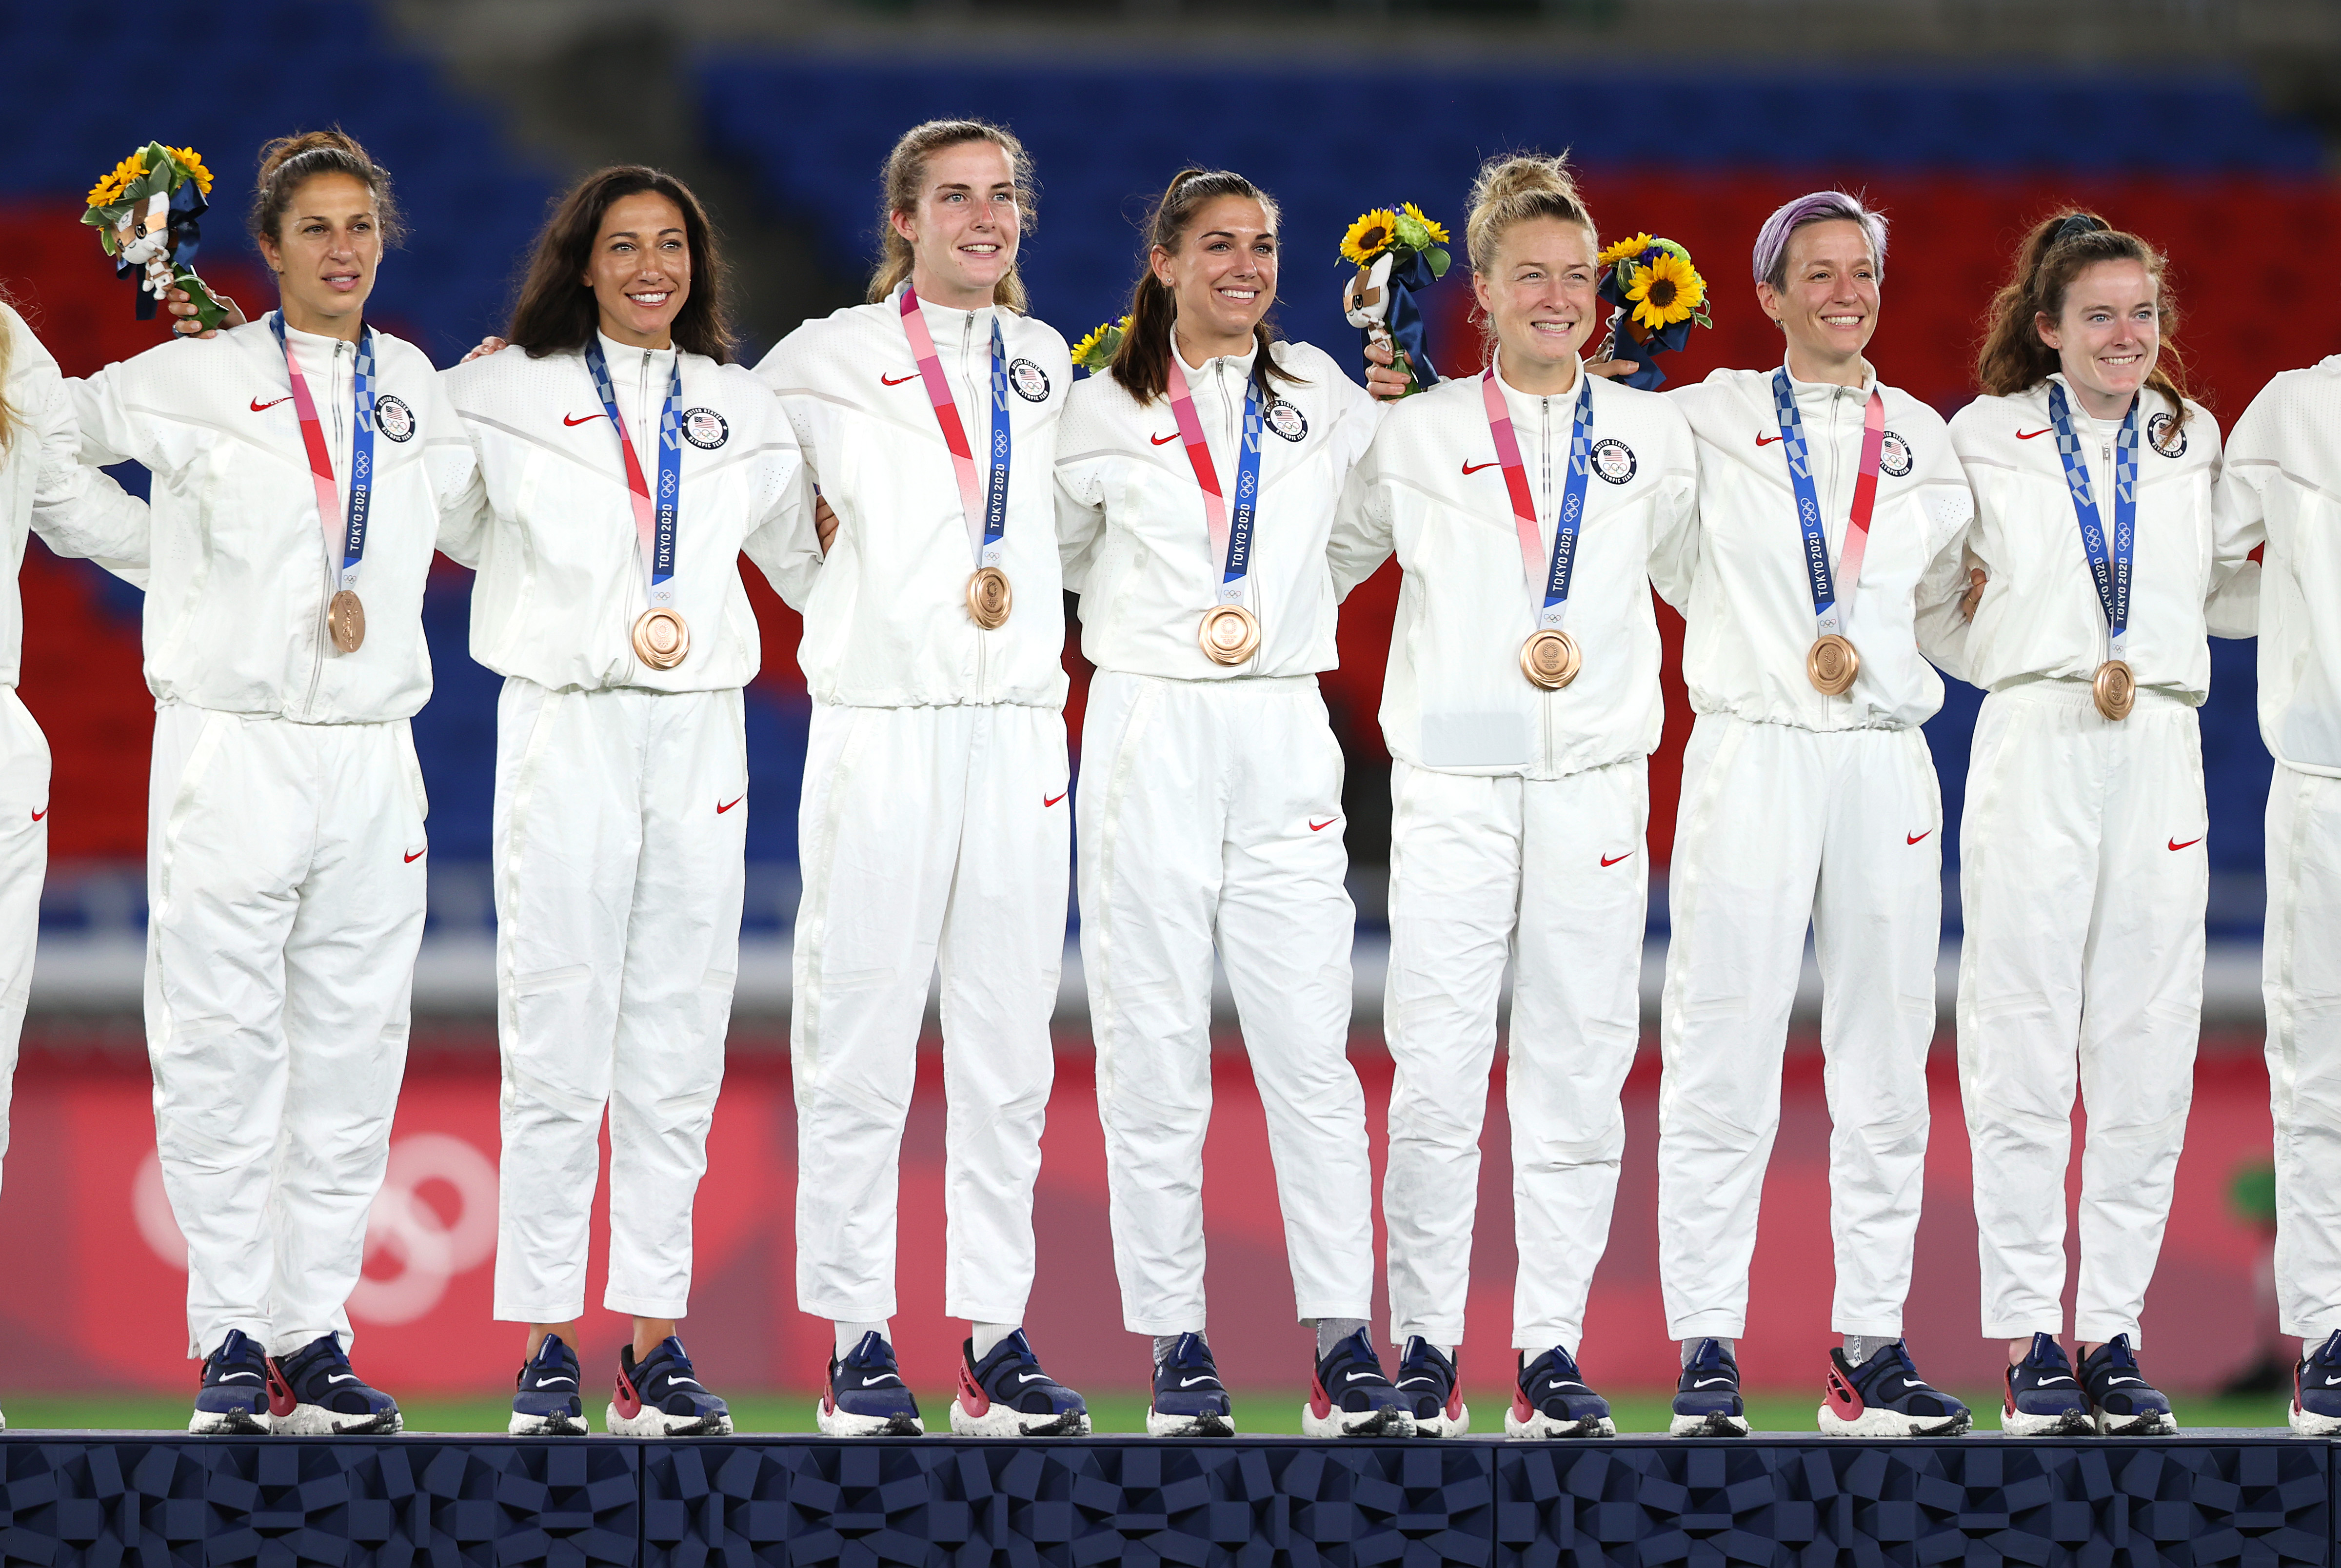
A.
x: 849, y: 1334
x: 1332, y: 1331
x: 1691, y: 1346
x: 1860, y: 1347
x: 1164, y: 1344
x: 985, y: 1335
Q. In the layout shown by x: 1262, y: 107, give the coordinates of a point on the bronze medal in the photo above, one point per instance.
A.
x: 1230, y: 634
x: 990, y: 598
x: 2115, y: 688
x: 661, y: 639
x: 1831, y: 665
x: 1550, y: 658
x: 345, y: 621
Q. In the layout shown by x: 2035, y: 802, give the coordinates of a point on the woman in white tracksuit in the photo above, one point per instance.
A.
x: 43, y: 487
x: 2283, y: 473
x: 302, y: 464
x: 1519, y: 789
x: 625, y: 462
x: 1197, y: 486
x: 933, y: 829
x: 2083, y: 872
x: 1826, y: 498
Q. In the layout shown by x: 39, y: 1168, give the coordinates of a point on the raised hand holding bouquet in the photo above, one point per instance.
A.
x: 1398, y: 254
x: 144, y: 214
x: 1660, y: 297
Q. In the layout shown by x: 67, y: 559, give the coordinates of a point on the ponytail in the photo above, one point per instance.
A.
x: 1143, y: 363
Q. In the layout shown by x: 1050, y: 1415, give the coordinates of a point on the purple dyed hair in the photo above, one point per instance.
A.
x: 1819, y: 207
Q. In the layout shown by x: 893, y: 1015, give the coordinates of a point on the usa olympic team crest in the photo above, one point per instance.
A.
x: 393, y: 419
x: 2159, y: 429
x: 1614, y: 460
x: 1894, y: 457
x: 704, y: 428
x: 1031, y: 381
x: 1283, y: 419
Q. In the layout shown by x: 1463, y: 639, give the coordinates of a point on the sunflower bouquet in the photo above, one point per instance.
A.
x: 144, y: 213
x: 1660, y: 297
x: 1094, y: 353
x: 1399, y: 252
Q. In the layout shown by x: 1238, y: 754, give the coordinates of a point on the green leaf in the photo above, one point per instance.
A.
x: 1411, y: 232
x: 1438, y: 259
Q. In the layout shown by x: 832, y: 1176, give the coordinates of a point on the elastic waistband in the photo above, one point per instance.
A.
x: 1264, y: 685
x: 2064, y: 693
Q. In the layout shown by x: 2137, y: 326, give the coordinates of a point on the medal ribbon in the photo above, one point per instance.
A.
x: 350, y: 538
x: 655, y: 531
x: 987, y: 514
x: 1555, y: 608
x: 1231, y: 540
x: 2109, y: 568
x: 1831, y: 607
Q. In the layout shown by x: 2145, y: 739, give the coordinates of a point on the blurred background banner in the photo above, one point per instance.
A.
x: 2212, y: 126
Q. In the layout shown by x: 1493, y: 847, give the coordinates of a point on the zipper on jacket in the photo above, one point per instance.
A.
x: 1536, y: 590
x: 317, y: 631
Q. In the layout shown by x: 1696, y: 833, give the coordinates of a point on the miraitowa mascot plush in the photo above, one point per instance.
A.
x: 1399, y: 252
x: 144, y: 214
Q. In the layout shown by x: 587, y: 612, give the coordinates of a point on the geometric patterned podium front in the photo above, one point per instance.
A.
x: 106, y: 1500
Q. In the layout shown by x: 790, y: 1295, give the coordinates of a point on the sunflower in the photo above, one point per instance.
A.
x: 1667, y: 291
x: 192, y: 162
x: 1437, y: 230
x: 108, y: 191
x: 1094, y: 353
x: 1623, y: 249
x: 1370, y: 236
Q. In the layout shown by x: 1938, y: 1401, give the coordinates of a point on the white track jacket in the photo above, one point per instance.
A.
x: 2284, y: 474
x: 44, y: 486
x: 550, y: 524
x: 241, y: 569
x: 1137, y: 547
x: 886, y: 619
x: 1739, y: 577
x: 1430, y: 488
x: 2039, y: 616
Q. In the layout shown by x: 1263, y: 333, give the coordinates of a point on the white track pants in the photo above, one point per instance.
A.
x: 1780, y: 826
x: 1210, y: 813
x: 621, y: 823
x: 1482, y: 871
x: 2082, y: 879
x: 2301, y: 980
x: 284, y: 879
x: 24, y: 865
x: 928, y: 837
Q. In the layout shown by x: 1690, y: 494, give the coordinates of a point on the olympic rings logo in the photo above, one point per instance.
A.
x: 402, y: 1225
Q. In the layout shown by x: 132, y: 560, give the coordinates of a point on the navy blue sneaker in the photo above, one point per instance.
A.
x: 313, y: 1391
x: 1550, y: 1399
x: 1351, y: 1398
x: 661, y: 1396
x: 546, y: 1399
x: 1190, y: 1400
x: 2043, y: 1399
x: 2316, y: 1391
x: 1433, y: 1396
x: 867, y: 1396
x: 1886, y: 1398
x: 234, y: 1394
x: 2125, y: 1402
x: 1008, y: 1395
x: 1707, y: 1396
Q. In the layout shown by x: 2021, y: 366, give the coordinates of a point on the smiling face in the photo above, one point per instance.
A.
x: 1827, y: 300
x: 2108, y: 334
x: 640, y: 268
x: 964, y: 228
x: 325, y: 255
x: 1224, y: 275
x: 1539, y: 294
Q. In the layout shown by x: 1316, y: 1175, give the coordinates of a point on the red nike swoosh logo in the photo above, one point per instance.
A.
x: 1164, y: 439
x: 2032, y: 434
x: 1049, y: 801
x: 41, y: 813
x: 1769, y: 440
x: 887, y: 381
x: 2188, y: 845
x: 1913, y: 837
x: 259, y: 407
x: 1613, y: 859
x: 417, y: 855
x: 1321, y: 827
x: 735, y: 801
x: 581, y: 419
x: 1471, y: 468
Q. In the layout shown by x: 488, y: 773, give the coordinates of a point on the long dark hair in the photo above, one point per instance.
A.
x: 905, y: 171
x: 2056, y: 251
x: 1143, y: 363
x: 557, y: 312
